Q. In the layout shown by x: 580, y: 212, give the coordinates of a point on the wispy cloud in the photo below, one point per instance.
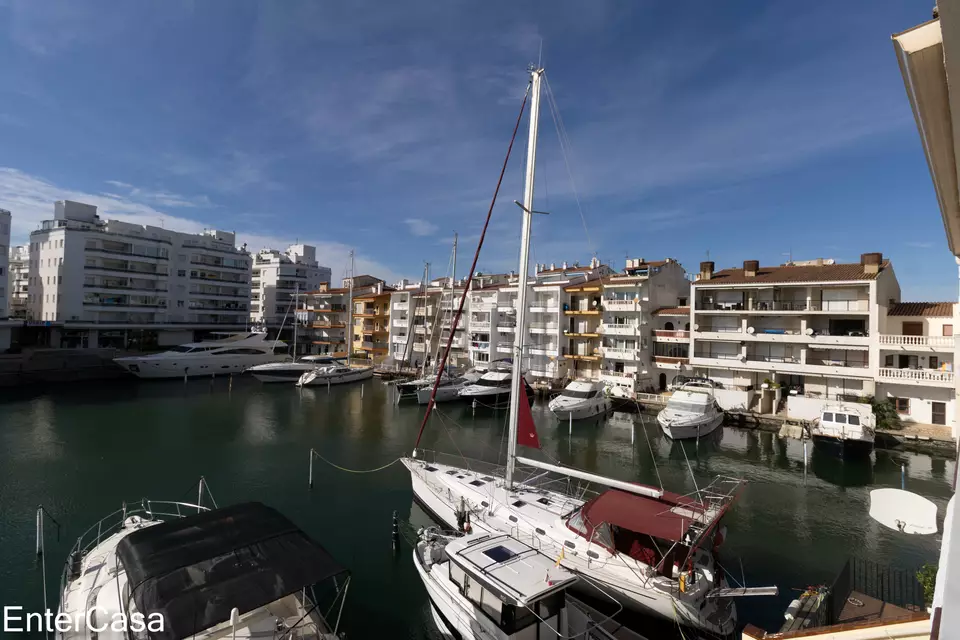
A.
x: 420, y: 227
x: 920, y: 245
x: 160, y: 198
x: 31, y: 198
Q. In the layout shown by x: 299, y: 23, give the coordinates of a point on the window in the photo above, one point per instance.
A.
x: 948, y: 329
x: 180, y: 303
x: 827, y: 417
x: 888, y: 361
x: 499, y: 553
x: 902, y: 404
x: 59, y: 279
x: 854, y: 420
x: 933, y: 362
x: 840, y: 418
x: 182, y: 273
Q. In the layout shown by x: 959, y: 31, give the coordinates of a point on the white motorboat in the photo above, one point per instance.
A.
x: 449, y: 389
x: 240, y: 571
x: 334, y: 374
x: 288, y: 371
x: 233, y: 353
x: 494, y: 387
x: 844, y: 429
x: 407, y: 389
x: 581, y: 399
x: 650, y: 549
x: 691, y: 412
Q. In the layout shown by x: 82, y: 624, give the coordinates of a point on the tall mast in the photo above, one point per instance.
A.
x: 440, y: 314
x: 453, y: 286
x: 427, y: 339
x: 296, y: 319
x: 350, y: 311
x: 536, y: 74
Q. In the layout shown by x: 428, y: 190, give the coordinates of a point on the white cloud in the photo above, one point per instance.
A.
x: 920, y: 245
x: 420, y: 227
x: 30, y: 198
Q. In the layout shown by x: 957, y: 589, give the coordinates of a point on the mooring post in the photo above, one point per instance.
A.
x: 395, y: 534
x: 230, y: 384
x: 328, y: 386
x: 310, y: 478
x: 39, y: 531
x: 570, y: 424
x: 361, y: 390
x: 903, y: 477
x: 474, y: 406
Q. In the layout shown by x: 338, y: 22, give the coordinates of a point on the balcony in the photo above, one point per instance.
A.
x: 907, y: 343
x: 480, y: 304
x: 479, y: 326
x: 399, y: 339
x: 670, y: 362
x: 586, y: 333
x: 923, y: 377
x: 595, y: 311
x: 543, y: 327
x: 543, y: 350
x: 613, y: 353
x: 660, y: 335
x: 544, y: 306
x: 419, y: 347
x: 481, y: 346
x: 618, y: 329
x: 507, y: 328
x: 373, y: 346
x: 403, y: 324
x: 401, y: 306
x: 779, y: 306
x: 617, y: 304
x: 329, y: 325
x: 505, y: 348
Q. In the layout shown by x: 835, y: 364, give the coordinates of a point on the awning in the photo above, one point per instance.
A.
x: 194, y: 570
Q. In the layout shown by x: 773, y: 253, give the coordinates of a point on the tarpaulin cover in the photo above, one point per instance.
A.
x: 194, y: 570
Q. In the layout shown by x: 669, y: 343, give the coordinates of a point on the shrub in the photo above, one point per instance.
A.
x: 886, y: 414
x: 927, y: 577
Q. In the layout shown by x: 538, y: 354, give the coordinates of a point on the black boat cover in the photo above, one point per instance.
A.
x: 194, y: 570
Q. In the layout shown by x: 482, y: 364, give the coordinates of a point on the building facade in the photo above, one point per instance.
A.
x: 6, y: 289
x: 327, y: 315
x: 111, y: 283
x: 19, y: 276
x: 278, y: 276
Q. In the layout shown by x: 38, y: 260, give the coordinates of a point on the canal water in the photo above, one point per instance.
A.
x: 81, y: 451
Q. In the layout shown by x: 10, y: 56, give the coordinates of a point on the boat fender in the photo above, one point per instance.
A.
x: 792, y: 609
x: 676, y: 569
x: 719, y: 537
x: 683, y: 583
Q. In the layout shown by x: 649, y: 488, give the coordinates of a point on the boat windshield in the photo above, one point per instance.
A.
x: 181, y: 349
x: 570, y: 393
x: 487, y: 382
x: 687, y: 407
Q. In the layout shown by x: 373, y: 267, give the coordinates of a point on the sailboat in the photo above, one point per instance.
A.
x: 651, y: 549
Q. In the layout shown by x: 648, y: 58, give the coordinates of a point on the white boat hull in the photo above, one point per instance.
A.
x: 690, y: 430
x: 583, y: 410
x: 355, y: 375
x: 447, y: 393
x: 616, y: 578
x: 288, y: 372
x: 148, y: 367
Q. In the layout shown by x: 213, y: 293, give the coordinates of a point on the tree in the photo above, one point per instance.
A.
x: 886, y: 414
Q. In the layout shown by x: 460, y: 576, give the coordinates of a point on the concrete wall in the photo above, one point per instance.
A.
x: 921, y: 402
x: 733, y: 400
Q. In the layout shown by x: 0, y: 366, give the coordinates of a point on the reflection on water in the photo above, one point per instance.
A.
x: 80, y: 451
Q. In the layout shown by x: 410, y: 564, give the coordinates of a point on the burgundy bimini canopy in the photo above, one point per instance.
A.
x: 667, y: 518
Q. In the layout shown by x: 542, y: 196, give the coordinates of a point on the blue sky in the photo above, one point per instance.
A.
x: 749, y: 130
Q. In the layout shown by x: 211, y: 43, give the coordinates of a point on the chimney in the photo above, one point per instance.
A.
x: 871, y: 262
x: 553, y: 265
x: 564, y: 266
x: 750, y: 268
x: 706, y: 270
x: 594, y: 263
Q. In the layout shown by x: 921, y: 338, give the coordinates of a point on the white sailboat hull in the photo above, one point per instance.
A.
x: 288, y: 372
x: 311, y: 379
x: 579, y: 411
x: 688, y: 430
x: 618, y: 576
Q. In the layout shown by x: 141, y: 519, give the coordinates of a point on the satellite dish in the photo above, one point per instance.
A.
x: 903, y: 511
x: 809, y: 331
x: 696, y: 327
x: 750, y: 330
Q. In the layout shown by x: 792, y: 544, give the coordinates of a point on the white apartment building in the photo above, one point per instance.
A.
x: 6, y: 325
x: 641, y: 331
x: 421, y: 321
x: 917, y: 356
x: 800, y: 330
x: 19, y: 275
x: 278, y: 276
x: 112, y: 283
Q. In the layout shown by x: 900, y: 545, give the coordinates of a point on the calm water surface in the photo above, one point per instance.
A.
x: 81, y: 451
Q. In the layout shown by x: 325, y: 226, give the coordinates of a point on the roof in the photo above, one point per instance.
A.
x: 667, y: 518
x: 922, y: 309
x: 568, y: 269
x: 194, y: 570
x: 672, y: 311
x: 513, y: 570
x: 852, y: 272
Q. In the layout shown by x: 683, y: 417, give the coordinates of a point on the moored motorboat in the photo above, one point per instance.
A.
x: 493, y: 388
x: 240, y: 571
x: 334, y: 374
x: 581, y: 399
x: 234, y: 353
x: 691, y: 412
x: 844, y: 429
x: 288, y: 371
x: 448, y: 390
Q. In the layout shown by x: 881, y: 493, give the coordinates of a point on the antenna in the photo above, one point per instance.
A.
x: 708, y: 255
x: 789, y: 255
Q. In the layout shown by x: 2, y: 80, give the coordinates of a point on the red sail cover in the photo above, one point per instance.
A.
x: 526, y: 430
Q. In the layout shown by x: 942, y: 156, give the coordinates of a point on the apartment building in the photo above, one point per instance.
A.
x: 278, y: 276
x: 917, y: 355
x: 421, y: 320
x: 803, y: 330
x: 642, y: 329
x: 6, y: 290
x: 110, y: 283
x: 371, y: 325
x: 327, y: 314
x: 19, y: 274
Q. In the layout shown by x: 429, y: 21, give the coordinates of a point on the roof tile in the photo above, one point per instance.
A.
x: 922, y: 309
x: 793, y: 274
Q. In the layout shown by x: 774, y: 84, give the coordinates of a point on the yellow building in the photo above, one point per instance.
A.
x: 371, y: 325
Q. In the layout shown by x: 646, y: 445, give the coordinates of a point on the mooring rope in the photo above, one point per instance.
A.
x: 336, y: 466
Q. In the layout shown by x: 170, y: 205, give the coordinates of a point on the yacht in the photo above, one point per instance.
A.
x: 232, y: 353
x: 845, y: 430
x: 449, y: 390
x: 334, y: 374
x: 691, y: 412
x: 493, y: 388
x: 407, y: 389
x: 581, y: 399
x: 241, y: 571
x: 288, y: 371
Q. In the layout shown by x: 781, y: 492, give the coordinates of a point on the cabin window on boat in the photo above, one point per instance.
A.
x: 569, y: 393
x: 456, y: 575
x: 853, y: 420
x: 840, y: 418
x: 827, y: 416
x: 482, y: 382
x: 181, y: 349
x: 689, y: 407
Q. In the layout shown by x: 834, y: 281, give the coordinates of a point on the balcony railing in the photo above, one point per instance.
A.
x: 619, y: 354
x: 838, y: 362
x: 718, y: 356
x: 543, y: 326
x: 916, y: 341
x: 659, y: 333
x: 401, y: 306
x: 504, y: 348
x: 480, y: 345
x: 785, y: 305
x: 917, y: 375
x: 618, y: 329
x: 617, y: 304
x: 507, y: 328
x: 670, y: 360
x: 479, y: 326
x: 401, y: 323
